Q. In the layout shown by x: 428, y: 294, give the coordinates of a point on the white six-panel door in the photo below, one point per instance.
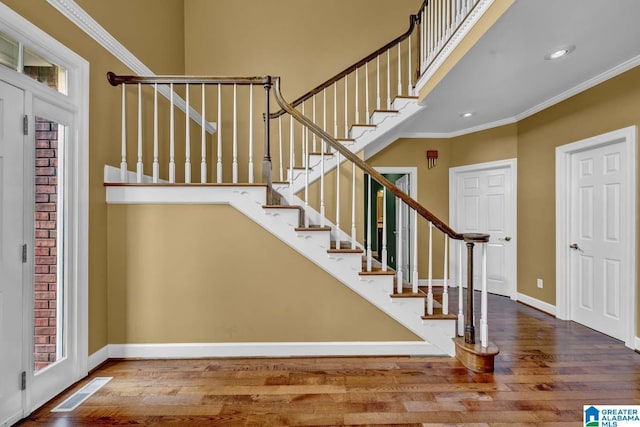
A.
x: 599, y: 236
x: 483, y: 201
x: 12, y: 359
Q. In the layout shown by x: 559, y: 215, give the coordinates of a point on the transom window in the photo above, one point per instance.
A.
x: 20, y: 58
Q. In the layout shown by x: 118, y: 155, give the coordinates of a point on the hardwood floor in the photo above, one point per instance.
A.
x: 546, y: 371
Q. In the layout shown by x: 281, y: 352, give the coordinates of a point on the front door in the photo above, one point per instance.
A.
x: 12, y: 357
x: 484, y: 202
x: 599, y: 237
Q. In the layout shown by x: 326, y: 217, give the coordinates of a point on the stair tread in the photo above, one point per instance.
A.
x: 346, y: 140
x: 405, y: 97
x: 345, y: 251
x: 368, y: 125
x: 282, y: 207
x: 313, y: 228
x: 377, y: 273
x: 407, y: 293
x: 439, y: 316
x: 318, y: 153
x: 385, y: 111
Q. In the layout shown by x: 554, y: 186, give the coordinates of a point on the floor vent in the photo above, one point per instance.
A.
x: 73, y: 401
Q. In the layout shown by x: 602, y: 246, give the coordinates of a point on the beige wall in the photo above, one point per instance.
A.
x: 609, y: 106
x: 197, y: 273
x: 104, y: 110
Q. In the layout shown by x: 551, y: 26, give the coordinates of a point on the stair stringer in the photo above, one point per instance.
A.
x: 386, y: 132
x: 282, y: 224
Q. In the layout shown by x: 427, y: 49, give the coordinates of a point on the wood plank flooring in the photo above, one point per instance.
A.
x: 546, y: 371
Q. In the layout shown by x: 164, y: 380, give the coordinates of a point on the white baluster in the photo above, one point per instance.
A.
x: 399, y: 260
x: 305, y: 140
x: 234, y: 164
x: 445, y: 292
x: 313, y: 118
x: 423, y: 37
x: 219, y: 132
x: 280, y: 148
x: 187, y: 138
x: 399, y: 70
x: 335, y: 109
x: 446, y: 18
x: 353, y: 206
x: 378, y: 82
x: 172, y: 140
x: 324, y: 117
x: 388, y: 79
x: 306, y: 180
x: 123, y: 139
x: 357, y: 101
x: 203, y: 139
x: 139, y: 165
x: 409, y: 70
x: 383, y: 255
x: 292, y: 159
x: 368, y: 222
x: 338, y: 233
x: 322, y: 206
x: 460, y: 290
x: 414, y: 277
x: 251, y: 176
x: 366, y: 93
x: 484, y: 325
x: 156, y: 163
x: 430, y: 279
x: 346, y: 106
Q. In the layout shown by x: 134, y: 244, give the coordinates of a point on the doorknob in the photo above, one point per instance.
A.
x: 506, y: 239
x: 576, y: 247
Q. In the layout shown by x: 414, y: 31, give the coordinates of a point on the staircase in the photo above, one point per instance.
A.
x: 302, y: 163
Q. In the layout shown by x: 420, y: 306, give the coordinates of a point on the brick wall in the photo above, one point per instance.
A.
x: 46, y: 251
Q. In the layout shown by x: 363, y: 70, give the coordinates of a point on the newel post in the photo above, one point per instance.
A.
x: 266, y: 161
x: 469, y: 329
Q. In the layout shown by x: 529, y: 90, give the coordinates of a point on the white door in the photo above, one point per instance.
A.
x: 12, y: 360
x: 403, y: 228
x: 599, y: 237
x: 484, y: 202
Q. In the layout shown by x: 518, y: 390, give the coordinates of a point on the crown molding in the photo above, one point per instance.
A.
x: 77, y: 15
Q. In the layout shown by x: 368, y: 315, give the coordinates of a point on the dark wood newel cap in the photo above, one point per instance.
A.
x: 475, y: 238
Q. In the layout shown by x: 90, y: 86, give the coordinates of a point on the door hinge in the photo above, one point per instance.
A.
x: 24, y: 253
x: 25, y: 125
x: 23, y: 380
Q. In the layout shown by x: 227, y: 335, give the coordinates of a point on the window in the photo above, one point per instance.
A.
x: 24, y: 60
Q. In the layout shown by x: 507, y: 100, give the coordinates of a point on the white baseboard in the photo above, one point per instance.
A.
x: 291, y: 349
x: 636, y: 344
x: 97, y: 358
x: 536, y: 303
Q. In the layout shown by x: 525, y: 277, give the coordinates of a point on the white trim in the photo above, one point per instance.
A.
x: 78, y: 16
x: 637, y: 343
x: 536, y: 303
x: 97, y: 358
x: 511, y: 164
x: 279, y: 349
x: 460, y: 33
x: 563, y: 179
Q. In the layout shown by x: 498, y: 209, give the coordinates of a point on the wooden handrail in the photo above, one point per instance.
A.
x: 412, y: 203
x: 116, y: 80
x: 413, y: 19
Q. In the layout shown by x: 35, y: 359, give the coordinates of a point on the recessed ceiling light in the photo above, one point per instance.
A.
x: 559, y: 53
x: 467, y: 114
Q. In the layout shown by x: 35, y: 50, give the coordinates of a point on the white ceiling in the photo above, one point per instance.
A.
x: 505, y: 77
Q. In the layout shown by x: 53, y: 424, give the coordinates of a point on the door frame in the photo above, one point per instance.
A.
x: 564, y: 154
x: 75, y: 101
x: 454, y: 176
x: 412, y: 171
